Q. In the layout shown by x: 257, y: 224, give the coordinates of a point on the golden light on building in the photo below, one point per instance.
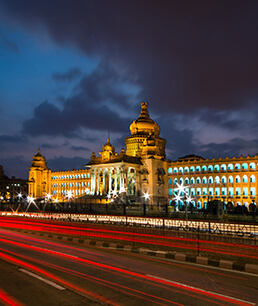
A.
x: 143, y: 169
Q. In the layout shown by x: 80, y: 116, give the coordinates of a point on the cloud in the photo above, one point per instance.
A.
x: 98, y: 104
x: 235, y: 147
x: 71, y: 75
x: 16, y: 166
x: 79, y: 148
x: 187, y: 55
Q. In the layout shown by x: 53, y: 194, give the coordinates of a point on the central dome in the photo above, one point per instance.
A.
x: 144, y: 125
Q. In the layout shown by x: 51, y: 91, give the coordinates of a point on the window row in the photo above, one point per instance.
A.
x: 66, y: 192
x: 211, y: 180
x: 71, y: 176
x: 211, y: 168
x: 70, y: 184
x: 216, y: 191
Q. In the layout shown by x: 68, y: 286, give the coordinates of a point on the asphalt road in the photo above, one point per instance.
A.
x: 37, y: 271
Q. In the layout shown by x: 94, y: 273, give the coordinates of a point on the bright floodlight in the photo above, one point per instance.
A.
x: 189, y: 199
x: 178, y: 198
x: 30, y: 199
x: 48, y: 196
x: 181, y: 188
x: 69, y: 194
x: 19, y: 195
x: 146, y: 196
x: 87, y: 190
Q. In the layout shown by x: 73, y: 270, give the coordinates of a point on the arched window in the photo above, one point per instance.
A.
x: 170, y: 192
x: 224, y: 180
x: 238, y: 179
x: 198, y: 180
x: 170, y: 170
x: 170, y: 181
x: 210, y: 180
x: 237, y: 167
x: 204, y: 180
x: 198, y: 169
x: 252, y: 166
x: 230, y: 179
x: 192, y: 181
x: 181, y: 170
x: 186, y: 169
x: 223, y: 167
x: 186, y: 181
x: 216, y: 168
x: 210, y: 168
x: 204, y: 168
x: 230, y: 167
x: 181, y: 181
x: 252, y: 179
x: 245, y: 166
x: 245, y: 179
x: 217, y: 179
x: 175, y: 170
x: 192, y: 169
x: 175, y: 181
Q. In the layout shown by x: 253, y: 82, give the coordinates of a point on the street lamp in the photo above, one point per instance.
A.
x: 146, y: 198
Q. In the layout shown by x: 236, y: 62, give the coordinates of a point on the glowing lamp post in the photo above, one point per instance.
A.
x: 146, y: 198
x: 182, y: 196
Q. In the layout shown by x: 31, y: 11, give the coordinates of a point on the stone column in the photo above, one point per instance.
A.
x: 98, y: 181
x: 104, y: 182
x: 93, y: 181
x: 116, y: 180
x: 109, y: 183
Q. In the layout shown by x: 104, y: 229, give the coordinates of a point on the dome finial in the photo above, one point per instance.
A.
x: 144, y: 111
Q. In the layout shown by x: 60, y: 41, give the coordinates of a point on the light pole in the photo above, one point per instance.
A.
x: 146, y: 198
x: 183, y: 197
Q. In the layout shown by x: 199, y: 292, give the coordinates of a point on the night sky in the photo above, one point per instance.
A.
x: 74, y: 72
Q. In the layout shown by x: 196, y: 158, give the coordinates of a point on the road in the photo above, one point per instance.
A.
x: 37, y: 271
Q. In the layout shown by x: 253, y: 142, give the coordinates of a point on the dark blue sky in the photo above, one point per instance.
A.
x: 73, y: 71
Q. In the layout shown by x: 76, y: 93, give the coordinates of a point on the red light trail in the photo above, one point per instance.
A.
x: 247, y: 251
x: 188, y: 290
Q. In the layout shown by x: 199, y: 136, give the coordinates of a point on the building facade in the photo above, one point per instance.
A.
x: 59, y: 184
x: 139, y: 170
x: 233, y: 180
x: 142, y: 169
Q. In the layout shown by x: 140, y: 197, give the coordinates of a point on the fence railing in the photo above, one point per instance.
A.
x: 221, y: 228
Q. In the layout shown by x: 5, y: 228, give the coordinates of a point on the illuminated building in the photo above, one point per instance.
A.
x: 43, y: 181
x: 142, y: 169
x: 227, y: 179
x: 139, y: 170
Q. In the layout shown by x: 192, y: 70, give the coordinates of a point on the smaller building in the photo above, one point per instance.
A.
x: 11, y: 188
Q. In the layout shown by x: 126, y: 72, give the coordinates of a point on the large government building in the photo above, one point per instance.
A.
x: 143, y: 170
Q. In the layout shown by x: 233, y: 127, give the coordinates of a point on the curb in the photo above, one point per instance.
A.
x: 224, y: 264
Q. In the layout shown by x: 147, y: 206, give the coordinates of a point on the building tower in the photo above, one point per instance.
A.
x: 146, y: 143
x: 39, y: 177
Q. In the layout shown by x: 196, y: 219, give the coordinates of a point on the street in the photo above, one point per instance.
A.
x: 88, y: 275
